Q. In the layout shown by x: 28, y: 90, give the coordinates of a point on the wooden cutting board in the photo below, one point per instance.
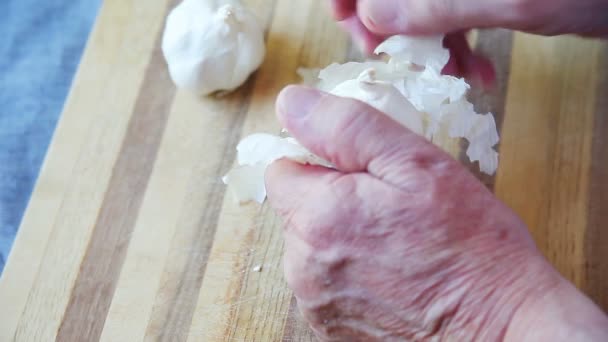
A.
x: 130, y: 234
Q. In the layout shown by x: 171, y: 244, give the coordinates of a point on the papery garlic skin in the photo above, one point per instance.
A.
x: 254, y: 154
x: 247, y: 183
x: 212, y: 45
x: 423, y: 51
x: 384, y: 97
x: 262, y: 148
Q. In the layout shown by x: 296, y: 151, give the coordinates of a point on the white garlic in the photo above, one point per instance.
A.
x: 212, y: 45
x: 423, y: 51
x: 382, y: 96
x: 254, y: 153
x: 409, y: 88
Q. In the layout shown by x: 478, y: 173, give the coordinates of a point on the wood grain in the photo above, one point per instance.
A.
x: 596, y: 235
x: 131, y: 236
x: 546, y: 144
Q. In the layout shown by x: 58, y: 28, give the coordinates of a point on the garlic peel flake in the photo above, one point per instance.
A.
x: 261, y: 148
x: 423, y: 51
x: 254, y: 154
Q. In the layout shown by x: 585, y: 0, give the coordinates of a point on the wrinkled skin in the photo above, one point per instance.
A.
x: 371, y: 21
x: 399, y: 242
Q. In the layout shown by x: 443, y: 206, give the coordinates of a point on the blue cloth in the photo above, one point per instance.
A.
x: 41, y: 43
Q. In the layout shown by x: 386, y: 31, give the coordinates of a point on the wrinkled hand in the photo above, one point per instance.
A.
x: 370, y: 21
x: 400, y: 241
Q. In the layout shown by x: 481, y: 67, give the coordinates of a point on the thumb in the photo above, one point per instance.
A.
x: 353, y: 136
x: 434, y: 16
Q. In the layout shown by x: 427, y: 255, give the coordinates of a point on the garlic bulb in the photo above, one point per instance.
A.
x: 212, y: 45
x: 409, y: 88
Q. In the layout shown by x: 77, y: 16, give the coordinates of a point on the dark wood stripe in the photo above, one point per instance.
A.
x: 496, y: 45
x: 596, y: 238
x: 92, y: 294
x: 175, y: 305
x: 269, y: 296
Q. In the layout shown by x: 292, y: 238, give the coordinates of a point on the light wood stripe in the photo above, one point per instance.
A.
x: 92, y: 78
x: 99, y: 271
x: 596, y: 240
x: 544, y: 169
x: 72, y: 229
x: 167, y: 192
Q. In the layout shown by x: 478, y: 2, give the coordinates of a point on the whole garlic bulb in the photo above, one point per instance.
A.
x: 212, y: 45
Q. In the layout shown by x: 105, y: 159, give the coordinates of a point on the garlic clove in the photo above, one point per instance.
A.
x: 384, y: 97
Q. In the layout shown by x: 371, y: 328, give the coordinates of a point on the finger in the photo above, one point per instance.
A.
x: 480, y: 69
x: 452, y: 68
x: 475, y: 68
x: 366, y: 40
x: 288, y: 184
x: 434, y: 16
x: 311, y: 200
x: 343, y: 9
x: 352, y: 135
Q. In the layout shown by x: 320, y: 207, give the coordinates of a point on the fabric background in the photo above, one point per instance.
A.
x: 41, y: 43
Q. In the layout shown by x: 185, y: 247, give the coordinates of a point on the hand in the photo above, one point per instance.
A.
x: 416, y: 17
x: 401, y: 242
x: 370, y: 21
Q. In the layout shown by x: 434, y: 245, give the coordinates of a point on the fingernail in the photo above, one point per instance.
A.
x: 297, y: 101
x: 383, y: 16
